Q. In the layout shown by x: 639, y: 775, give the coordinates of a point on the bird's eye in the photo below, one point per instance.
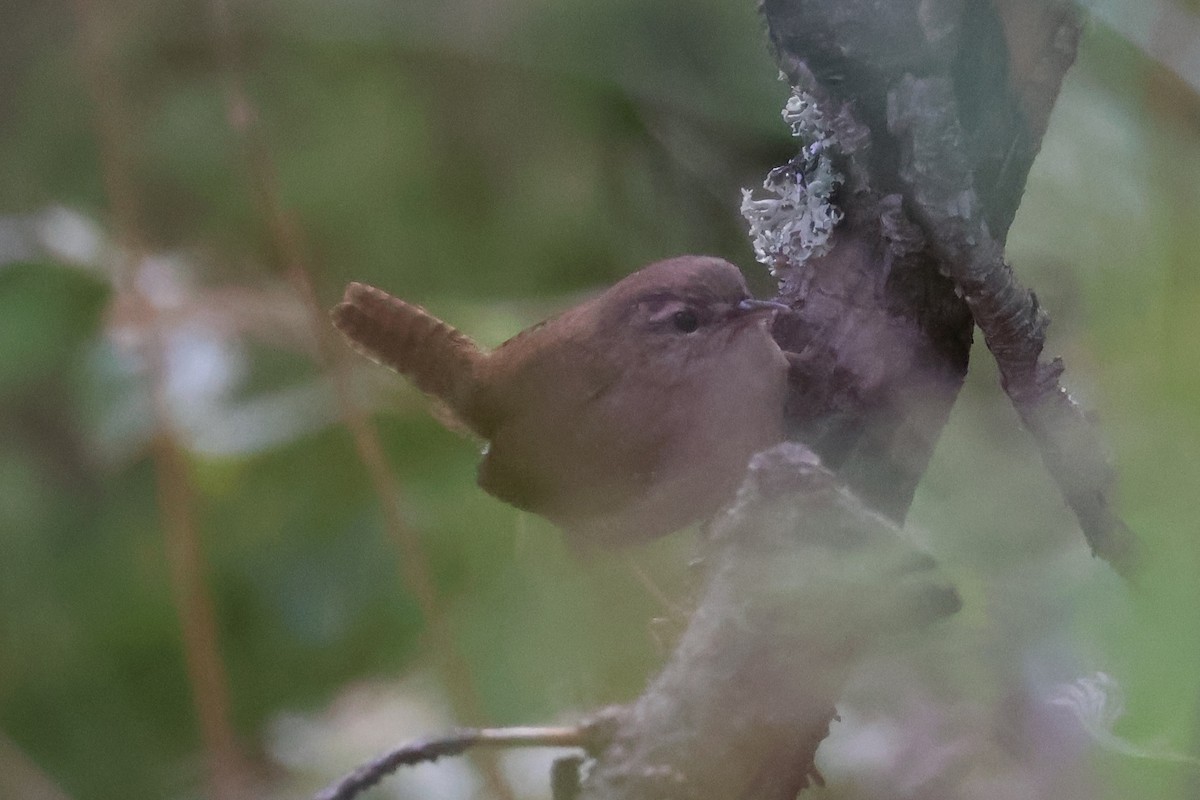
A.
x: 685, y: 320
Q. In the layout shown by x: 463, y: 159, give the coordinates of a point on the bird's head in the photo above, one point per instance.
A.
x: 682, y: 302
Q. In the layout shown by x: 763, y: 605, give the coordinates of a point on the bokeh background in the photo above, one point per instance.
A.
x: 202, y: 587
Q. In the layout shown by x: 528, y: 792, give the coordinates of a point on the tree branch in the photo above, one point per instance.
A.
x: 923, y: 114
x: 802, y: 580
x: 938, y: 111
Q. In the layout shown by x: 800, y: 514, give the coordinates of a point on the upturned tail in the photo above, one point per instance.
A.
x: 438, y: 358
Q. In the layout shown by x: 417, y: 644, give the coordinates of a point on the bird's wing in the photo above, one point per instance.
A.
x: 570, y: 443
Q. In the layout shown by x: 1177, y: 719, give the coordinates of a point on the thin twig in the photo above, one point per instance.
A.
x: 672, y: 609
x: 591, y: 736
x: 176, y: 494
x: 289, y: 242
x: 21, y: 777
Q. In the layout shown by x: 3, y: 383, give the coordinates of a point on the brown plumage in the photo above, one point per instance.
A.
x: 437, y: 358
x: 623, y: 418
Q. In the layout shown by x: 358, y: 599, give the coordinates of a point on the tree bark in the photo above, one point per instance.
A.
x: 938, y: 109
x: 802, y: 579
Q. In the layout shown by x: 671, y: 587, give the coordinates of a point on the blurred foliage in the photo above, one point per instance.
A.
x: 492, y: 161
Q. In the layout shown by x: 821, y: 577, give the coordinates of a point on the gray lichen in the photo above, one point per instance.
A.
x: 795, y: 219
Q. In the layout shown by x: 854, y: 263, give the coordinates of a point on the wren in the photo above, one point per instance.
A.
x: 624, y: 418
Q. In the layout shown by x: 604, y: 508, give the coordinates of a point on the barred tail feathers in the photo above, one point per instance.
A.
x: 438, y: 358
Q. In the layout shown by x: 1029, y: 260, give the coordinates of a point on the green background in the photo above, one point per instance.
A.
x: 493, y: 161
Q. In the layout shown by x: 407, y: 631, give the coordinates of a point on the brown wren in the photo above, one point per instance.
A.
x: 622, y: 419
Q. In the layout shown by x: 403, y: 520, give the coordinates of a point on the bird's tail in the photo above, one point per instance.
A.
x: 438, y: 358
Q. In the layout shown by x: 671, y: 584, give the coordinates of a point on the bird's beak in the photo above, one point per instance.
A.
x: 751, y: 306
